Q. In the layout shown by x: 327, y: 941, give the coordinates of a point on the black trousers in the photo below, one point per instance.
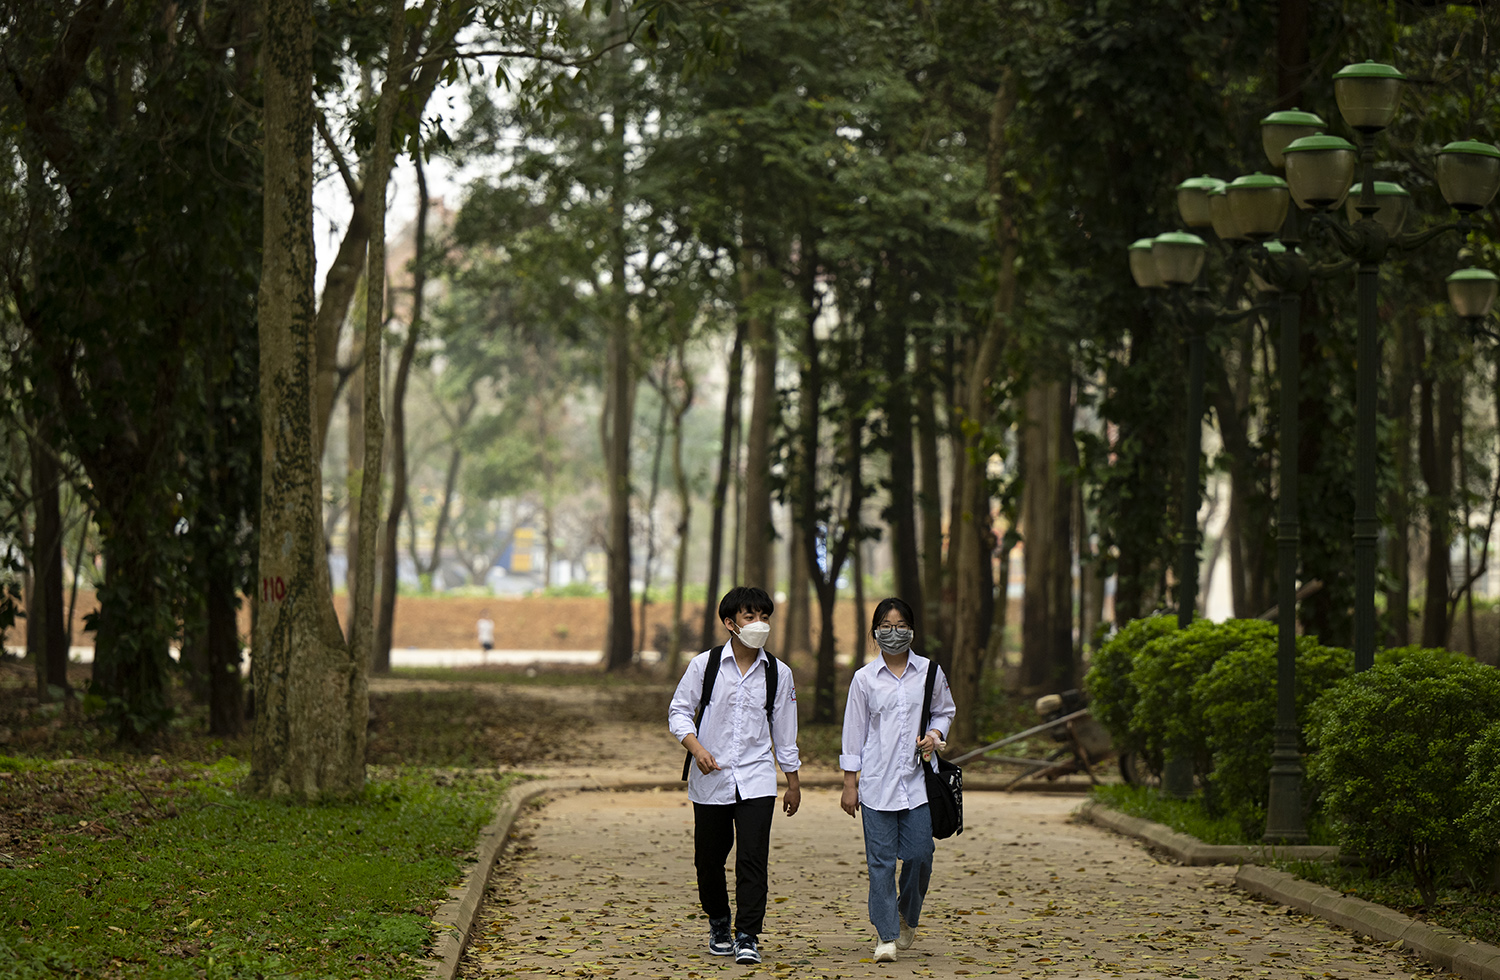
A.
x: 714, y: 828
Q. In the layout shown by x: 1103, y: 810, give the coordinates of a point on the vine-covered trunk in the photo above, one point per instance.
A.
x: 46, y: 636
x: 311, y: 698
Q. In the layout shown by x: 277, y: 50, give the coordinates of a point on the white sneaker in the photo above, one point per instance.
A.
x: 885, y: 952
x: 907, y: 937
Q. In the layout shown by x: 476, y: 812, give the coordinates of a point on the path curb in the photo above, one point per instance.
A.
x: 1441, y: 947
x: 455, y: 918
x: 1444, y: 948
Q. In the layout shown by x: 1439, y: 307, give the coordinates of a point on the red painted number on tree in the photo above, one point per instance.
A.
x: 272, y: 589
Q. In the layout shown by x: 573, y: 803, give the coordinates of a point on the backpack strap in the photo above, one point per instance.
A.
x: 773, y: 670
x: 710, y: 674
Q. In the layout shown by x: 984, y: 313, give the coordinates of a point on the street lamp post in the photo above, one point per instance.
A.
x: 1290, y: 274
x: 1320, y: 171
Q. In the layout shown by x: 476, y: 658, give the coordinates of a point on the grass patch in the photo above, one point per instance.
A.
x: 166, y: 872
x: 1473, y: 911
x: 1183, y: 816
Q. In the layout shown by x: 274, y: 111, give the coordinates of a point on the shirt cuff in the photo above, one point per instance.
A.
x: 850, y: 763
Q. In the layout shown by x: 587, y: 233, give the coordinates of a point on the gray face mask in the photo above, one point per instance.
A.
x: 893, y: 641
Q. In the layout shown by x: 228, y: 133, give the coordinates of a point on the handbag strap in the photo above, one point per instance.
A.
x: 927, y: 697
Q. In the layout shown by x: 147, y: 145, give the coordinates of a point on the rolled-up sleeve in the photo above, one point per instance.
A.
x: 943, y: 708
x: 685, y: 699
x: 784, y: 717
x: 856, y: 726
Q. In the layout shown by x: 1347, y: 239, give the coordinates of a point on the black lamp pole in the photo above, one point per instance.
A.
x: 1284, y: 822
x: 1372, y: 242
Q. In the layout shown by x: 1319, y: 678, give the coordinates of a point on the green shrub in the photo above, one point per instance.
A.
x: 1167, y: 714
x: 1112, y: 696
x: 1392, y: 758
x: 1481, y: 823
x: 1238, y: 700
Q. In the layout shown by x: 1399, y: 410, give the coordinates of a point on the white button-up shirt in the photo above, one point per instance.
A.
x: 880, y: 731
x: 734, y: 727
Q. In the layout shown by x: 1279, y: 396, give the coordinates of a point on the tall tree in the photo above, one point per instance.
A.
x: 311, y: 690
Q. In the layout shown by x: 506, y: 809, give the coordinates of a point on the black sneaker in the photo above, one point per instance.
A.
x: 745, y: 950
x: 719, y: 941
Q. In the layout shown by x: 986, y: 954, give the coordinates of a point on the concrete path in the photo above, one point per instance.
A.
x: 601, y: 884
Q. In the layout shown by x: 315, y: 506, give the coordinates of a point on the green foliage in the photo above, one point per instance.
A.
x: 1392, y: 758
x: 1168, y: 715
x: 1482, y: 789
x: 1184, y: 816
x: 229, y: 887
x: 1112, y: 694
x: 1238, y: 699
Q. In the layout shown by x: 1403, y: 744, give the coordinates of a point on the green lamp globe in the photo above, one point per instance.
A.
x: 1225, y: 225
x: 1143, y: 265
x: 1472, y: 292
x: 1368, y: 94
x: 1192, y: 200
x: 1281, y: 128
x: 1394, y: 203
x: 1179, y: 257
x: 1259, y: 204
x: 1319, y: 171
x: 1468, y: 174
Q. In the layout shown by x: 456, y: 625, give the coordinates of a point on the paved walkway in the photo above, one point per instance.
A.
x: 601, y: 884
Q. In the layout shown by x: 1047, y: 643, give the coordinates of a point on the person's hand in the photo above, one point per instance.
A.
x: 792, y: 800
x: 705, y: 759
x: 928, y: 744
x: 850, y: 800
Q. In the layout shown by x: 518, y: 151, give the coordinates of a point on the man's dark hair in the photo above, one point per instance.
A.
x: 745, y: 598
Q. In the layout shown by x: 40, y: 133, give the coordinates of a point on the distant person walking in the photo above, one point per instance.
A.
x: 735, y: 711
x: 881, y: 756
x: 486, y: 636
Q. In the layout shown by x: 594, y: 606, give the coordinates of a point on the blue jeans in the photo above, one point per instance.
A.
x: 892, y: 835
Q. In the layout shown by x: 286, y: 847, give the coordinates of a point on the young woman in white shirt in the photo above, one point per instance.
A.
x: 881, y: 756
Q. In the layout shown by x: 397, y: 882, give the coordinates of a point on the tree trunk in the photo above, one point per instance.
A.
x: 971, y: 551
x: 226, y: 707
x: 362, y: 599
x: 648, y: 569
x: 1406, y: 354
x: 619, y: 396
x: 931, y: 499
x: 354, y: 434
x: 905, y: 556
x: 380, y: 657
x: 728, y: 442
x: 861, y: 633
x: 761, y: 338
x: 47, y: 639
x: 1047, y: 606
x: 684, y: 517
x: 1440, y: 415
x: 796, y: 635
x: 311, y: 698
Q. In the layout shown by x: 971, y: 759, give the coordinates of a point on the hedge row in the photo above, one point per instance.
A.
x: 1402, y: 760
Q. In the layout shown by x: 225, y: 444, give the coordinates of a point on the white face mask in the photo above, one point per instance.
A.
x: 755, y: 635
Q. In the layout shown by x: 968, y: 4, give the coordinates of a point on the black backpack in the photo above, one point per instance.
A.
x: 945, y: 788
x: 711, y: 674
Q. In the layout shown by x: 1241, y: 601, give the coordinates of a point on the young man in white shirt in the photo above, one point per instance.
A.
x: 734, y: 751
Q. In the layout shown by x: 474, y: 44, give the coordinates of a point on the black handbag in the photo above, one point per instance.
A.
x: 945, y: 781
